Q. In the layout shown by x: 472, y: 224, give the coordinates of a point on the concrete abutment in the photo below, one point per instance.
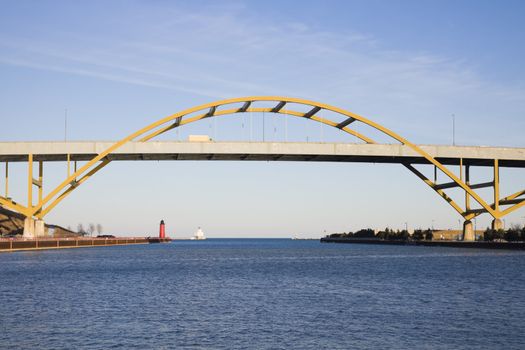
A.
x: 29, y: 228
x: 34, y: 228
x: 497, y: 224
x: 468, y: 231
x: 40, y: 228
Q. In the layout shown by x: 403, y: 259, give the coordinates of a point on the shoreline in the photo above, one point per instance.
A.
x: 452, y: 244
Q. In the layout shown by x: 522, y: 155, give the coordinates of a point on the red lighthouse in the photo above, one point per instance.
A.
x: 162, y: 230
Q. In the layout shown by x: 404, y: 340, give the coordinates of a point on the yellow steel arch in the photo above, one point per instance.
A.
x: 212, y: 110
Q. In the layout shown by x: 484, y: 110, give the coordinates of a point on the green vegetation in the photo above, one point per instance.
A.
x: 514, y: 234
x: 364, y: 233
x: 420, y: 235
x: 391, y: 235
x: 386, y: 234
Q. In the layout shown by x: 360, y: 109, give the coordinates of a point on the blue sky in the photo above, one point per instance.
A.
x: 119, y: 65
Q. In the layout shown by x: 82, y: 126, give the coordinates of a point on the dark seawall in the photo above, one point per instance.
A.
x: 12, y: 245
x: 454, y: 244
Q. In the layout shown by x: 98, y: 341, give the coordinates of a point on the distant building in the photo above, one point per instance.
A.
x: 452, y: 235
x: 199, y: 235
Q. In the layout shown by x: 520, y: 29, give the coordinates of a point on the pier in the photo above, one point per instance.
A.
x: 14, y: 244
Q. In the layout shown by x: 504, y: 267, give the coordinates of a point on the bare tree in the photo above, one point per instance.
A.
x: 99, y: 229
x: 80, y: 230
x: 91, y: 229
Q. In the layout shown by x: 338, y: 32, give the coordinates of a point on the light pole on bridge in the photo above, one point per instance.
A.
x: 65, y: 125
x: 453, y: 129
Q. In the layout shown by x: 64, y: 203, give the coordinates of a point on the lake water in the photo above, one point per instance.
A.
x: 262, y: 294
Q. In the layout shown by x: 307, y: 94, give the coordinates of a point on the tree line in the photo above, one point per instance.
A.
x: 386, y: 234
x: 89, y: 230
x: 514, y: 234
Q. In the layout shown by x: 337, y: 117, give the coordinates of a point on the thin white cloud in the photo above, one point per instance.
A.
x: 230, y: 53
x: 105, y: 76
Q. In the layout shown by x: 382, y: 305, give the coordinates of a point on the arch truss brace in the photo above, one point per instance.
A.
x: 511, y: 202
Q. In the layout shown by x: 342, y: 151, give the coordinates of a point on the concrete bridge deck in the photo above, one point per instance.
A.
x: 277, y: 151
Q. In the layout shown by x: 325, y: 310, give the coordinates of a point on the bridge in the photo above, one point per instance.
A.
x: 262, y: 151
x: 139, y: 146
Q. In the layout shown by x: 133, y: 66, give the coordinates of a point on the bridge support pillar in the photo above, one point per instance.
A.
x: 468, y: 231
x: 40, y: 228
x: 29, y: 228
x: 497, y: 224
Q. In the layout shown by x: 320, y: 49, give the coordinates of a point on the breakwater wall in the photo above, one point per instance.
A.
x: 453, y: 244
x: 13, y: 244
